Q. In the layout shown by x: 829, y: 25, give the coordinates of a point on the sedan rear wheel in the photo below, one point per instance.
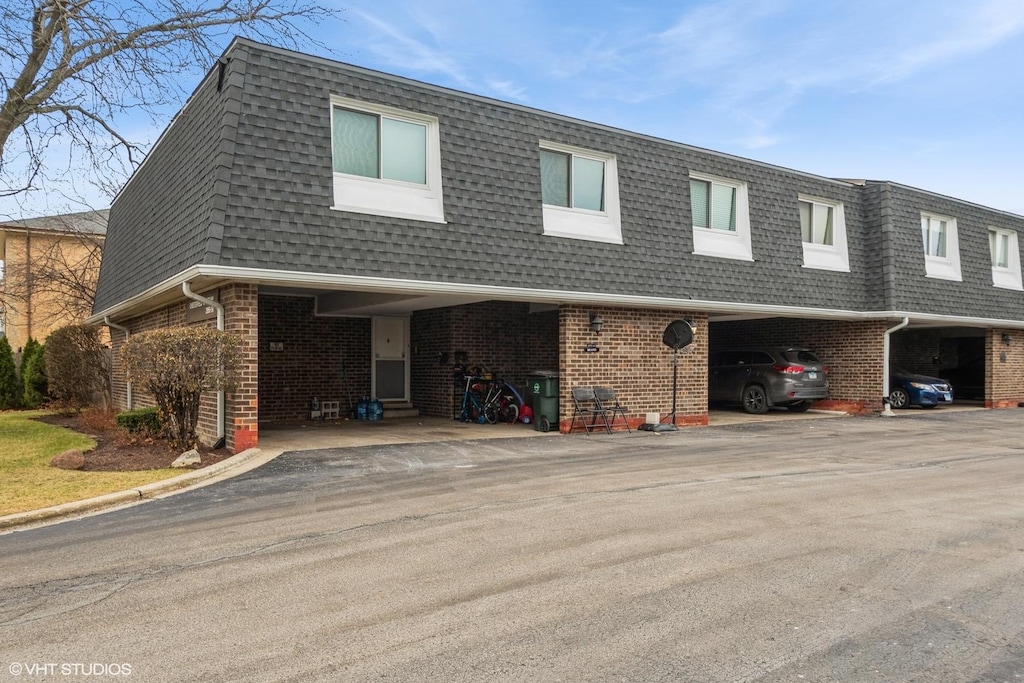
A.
x: 899, y: 398
x: 755, y: 401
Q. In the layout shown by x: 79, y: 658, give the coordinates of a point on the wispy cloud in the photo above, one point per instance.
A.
x: 975, y: 28
x: 508, y: 90
x: 393, y: 44
x: 747, y: 62
x: 755, y: 62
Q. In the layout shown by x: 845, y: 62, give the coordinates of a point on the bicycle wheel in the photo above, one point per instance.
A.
x: 491, y: 413
x: 509, y: 412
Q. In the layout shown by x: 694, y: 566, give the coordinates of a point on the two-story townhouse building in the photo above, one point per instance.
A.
x: 362, y: 232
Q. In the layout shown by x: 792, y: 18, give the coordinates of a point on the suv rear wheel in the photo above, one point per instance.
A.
x: 755, y: 401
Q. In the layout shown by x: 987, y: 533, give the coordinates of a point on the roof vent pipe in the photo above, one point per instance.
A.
x: 220, y: 326
x: 109, y: 323
x: 887, y: 410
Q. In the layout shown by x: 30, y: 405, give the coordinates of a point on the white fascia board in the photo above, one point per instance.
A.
x: 378, y: 284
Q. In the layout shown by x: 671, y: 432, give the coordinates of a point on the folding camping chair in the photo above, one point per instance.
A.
x: 585, y: 403
x: 610, y: 402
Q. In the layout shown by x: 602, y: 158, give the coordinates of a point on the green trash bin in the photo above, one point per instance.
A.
x: 544, y: 389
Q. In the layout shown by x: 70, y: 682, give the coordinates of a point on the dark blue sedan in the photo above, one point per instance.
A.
x: 908, y: 389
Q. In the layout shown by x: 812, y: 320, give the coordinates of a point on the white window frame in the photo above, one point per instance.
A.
x: 725, y: 243
x: 584, y: 224
x: 392, y: 198
x: 942, y: 267
x: 1008, y: 277
x: 835, y: 256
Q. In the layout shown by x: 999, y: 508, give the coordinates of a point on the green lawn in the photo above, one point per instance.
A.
x: 27, y: 482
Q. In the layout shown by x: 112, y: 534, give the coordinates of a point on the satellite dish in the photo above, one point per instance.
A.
x: 678, y: 334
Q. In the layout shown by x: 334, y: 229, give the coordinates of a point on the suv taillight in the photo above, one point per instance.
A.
x: 790, y: 369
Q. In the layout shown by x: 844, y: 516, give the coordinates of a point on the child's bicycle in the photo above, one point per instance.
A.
x: 473, y: 399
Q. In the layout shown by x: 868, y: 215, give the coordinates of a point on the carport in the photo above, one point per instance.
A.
x: 956, y: 354
x: 851, y: 349
x: 337, y: 347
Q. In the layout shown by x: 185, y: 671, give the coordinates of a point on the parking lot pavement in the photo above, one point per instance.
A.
x: 849, y: 549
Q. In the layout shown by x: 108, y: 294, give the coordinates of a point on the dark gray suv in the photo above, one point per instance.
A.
x: 760, y: 378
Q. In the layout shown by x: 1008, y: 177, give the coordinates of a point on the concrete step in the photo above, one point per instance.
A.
x: 392, y: 410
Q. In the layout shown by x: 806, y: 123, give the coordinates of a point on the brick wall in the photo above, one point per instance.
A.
x: 323, y: 357
x: 36, y: 305
x: 853, y: 351
x: 504, y: 337
x: 925, y: 352
x: 240, y: 407
x: 633, y: 361
x: 431, y: 339
x: 170, y: 316
x: 1004, y: 367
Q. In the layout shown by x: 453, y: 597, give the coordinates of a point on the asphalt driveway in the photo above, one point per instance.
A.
x: 849, y: 549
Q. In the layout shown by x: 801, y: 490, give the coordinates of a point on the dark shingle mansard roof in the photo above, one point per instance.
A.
x: 243, y: 178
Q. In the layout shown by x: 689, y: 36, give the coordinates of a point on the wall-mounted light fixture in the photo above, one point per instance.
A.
x: 1005, y: 336
x: 596, y: 323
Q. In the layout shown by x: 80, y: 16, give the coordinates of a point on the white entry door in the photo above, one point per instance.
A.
x: 391, y: 359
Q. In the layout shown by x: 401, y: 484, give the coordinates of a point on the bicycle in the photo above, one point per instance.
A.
x: 486, y: 399
x: 472, y: 408
x: 502, y: 403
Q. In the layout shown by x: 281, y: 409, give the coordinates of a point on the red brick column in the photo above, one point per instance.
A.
x: 241, y: 318
x: 1004, y: 368
x: 632, y: 360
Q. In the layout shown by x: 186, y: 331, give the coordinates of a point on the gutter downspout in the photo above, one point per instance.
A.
x: 187, y: 291
x: 887, y: 411
x: 127, y: 333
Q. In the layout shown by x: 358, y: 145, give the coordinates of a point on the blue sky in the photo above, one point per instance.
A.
x: 925, y: 93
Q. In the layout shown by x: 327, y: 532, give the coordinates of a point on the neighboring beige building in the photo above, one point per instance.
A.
x: 48, y: 271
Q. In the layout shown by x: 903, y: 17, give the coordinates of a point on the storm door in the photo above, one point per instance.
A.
x: 391, y: 359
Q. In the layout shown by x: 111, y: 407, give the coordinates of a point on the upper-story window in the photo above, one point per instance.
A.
x: 580, y: 193
x: 377, y: 146
x: 572, y: 180
x: 386, y: 162
x: 720, y: 212
x: 935, y: 232
x: 713, y: 205
x: 941, y: 247
x: 823, y: 234
x: 1005, y: 258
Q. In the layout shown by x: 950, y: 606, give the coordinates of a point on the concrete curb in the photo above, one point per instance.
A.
x: 221, y: 470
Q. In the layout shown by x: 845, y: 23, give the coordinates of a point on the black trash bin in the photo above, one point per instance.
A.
x: 544, y: 389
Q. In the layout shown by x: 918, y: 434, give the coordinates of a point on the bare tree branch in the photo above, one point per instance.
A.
x: 71, y: 69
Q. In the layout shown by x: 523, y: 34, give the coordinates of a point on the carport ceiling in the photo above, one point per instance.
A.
x: 735, y: 317
x: 348, y: 303
x: 947, y: 330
